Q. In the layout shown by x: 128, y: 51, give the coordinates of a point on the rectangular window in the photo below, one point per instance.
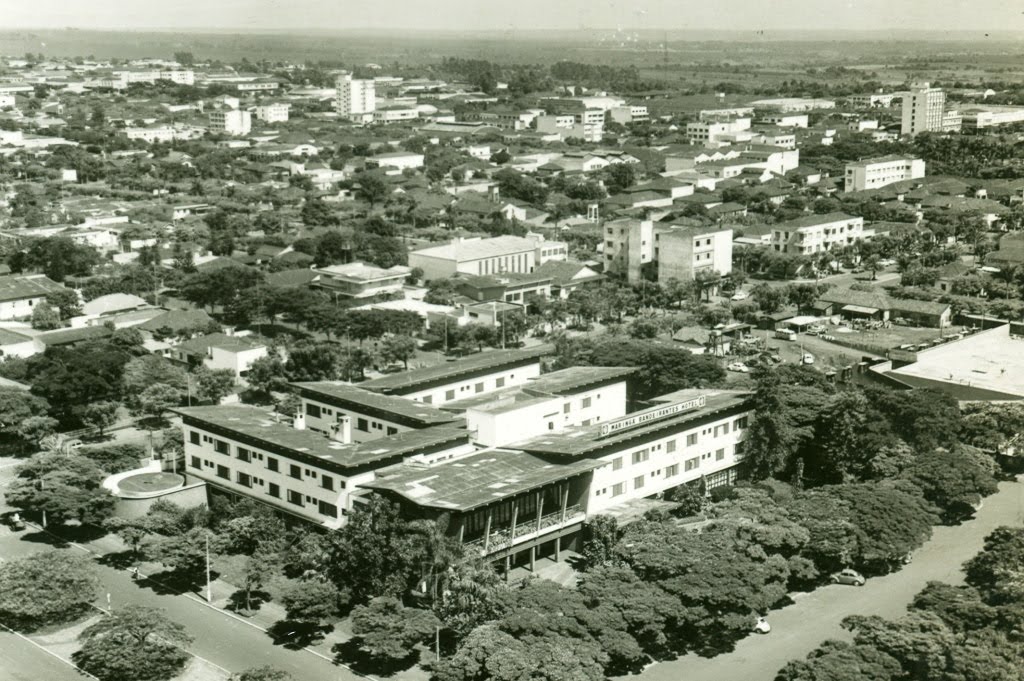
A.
x: 243, y: 479
x: 329, y: 510
x: 740, y: 423
x: 638, y: 482
x: 672, y: 471
x: 197, y: 462
x: 586, y: 403
x: 617, y: 463
x: 479, y: 387
x: 243, y: 454
x: 271, y: 464
x: 499, y: 382
x: 362, y: 424
x: 619, y: 489
x: 428, y: 399
x: 449, y: 394
x: 670, y: 446
x: 221, y: 447
x: 719, y: 454
x: 294, y: 498
x: 313, y: 410
x: 641, y: 456
x: 295, y: 471
x: 566, y: 408
x: 691, y: 439
x: 223, y: 472
x: 392, y: 431
x: 193, y: 437
x: 327, y: 482
x: 692, y: 463
x: 274, y: 490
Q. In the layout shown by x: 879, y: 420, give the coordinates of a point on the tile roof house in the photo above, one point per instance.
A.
x: 20, y: 293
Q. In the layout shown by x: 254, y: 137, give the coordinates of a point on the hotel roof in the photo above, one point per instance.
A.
x: 394, y: 408
x: 582, y: 440
x: 409, y: 381
x: 270, y: 431
x: 541, y: 389
x: 477, y: 480
x: 478, y: 249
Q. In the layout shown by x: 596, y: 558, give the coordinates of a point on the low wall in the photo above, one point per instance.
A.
x: 193, y: 494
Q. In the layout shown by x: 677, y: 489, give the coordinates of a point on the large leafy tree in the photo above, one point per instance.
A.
x: 134, y: 643
x: 388, y: 631
x: 65, y: 487
x: 16, y: 406
x: 998, y: 571
x: 46, y: 588
x: 955, y: 480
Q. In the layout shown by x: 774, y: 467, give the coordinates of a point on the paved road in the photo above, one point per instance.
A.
x: 22, y: 661
x: 815, y: 617
x: 220, y: 639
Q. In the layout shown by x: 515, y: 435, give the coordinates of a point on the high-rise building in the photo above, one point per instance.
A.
x: 231, y: 122
x: 356, y: 99
x: 924, y: 110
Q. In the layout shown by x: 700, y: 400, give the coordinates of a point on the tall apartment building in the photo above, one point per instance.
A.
x: 873, y: 173
x: 356, y: 99
x: 714, y: 133
x: 587, y: 125
x: 231, y: 122
x: 634, y: 247
x: 817, y: 233
x: 924, y: 110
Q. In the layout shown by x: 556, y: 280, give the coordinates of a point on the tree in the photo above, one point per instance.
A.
x: 60, y: 257
x: 372, y: 188
x: 66, y: 302
x: 954, y: 480
x: 212, y: 385
x: 998, y: 571
x: 332, y: 248
x: 842, y: 661
x: 487, y: 654
x: 17, y: 406
x: 619, y: 176
x: 602, y: 534
x: 265, y: 673
x: 157, y: 399
x: 312, y: 600
x: 46, y: 588
x: 101, y: 415
x: 45, y: 317
x: 397, y: 348
x: 267, y: 375
x: 132, y: 532
x: 133, y: 643
x: 35, y: 428
x: 64, y: 487
x: 387, y: 631
x: 768, y: 298
x: 185, y: 553
x: 473, y: 594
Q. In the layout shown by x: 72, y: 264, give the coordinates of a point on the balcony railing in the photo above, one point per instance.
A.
x: 505, y: 537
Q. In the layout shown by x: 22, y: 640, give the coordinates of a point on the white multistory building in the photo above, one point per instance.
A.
x: 231, y: 122
x: 356, y: 99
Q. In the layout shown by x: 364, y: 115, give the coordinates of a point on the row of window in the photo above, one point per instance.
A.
x: 242, y: 454
x: 640, y: 481
x: 362, y: 424
x: 449, y: 395
x: 272, y: 488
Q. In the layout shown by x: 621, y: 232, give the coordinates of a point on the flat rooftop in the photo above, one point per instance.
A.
x: 408, y: 381
x: 477, y: 480
x: 541, y: 389
x: 263, y: 428
x: 365, y: 401
x: 582, y: 440
x: 991, y: 360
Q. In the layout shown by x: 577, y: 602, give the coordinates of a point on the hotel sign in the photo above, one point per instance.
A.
x: 656, y: 414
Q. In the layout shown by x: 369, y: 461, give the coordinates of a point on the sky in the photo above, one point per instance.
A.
x: 745, y: 15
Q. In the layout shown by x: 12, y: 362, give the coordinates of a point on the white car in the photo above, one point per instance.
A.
x: 740, y: 295
x: 761, y: 626
x: 739, y: 367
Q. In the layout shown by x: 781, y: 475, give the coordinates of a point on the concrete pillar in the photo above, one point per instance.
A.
x: 558, y: 548
x: 487, y: 529
x: 508, y: 566
x: 515, y: 515
x: 533, y: 558
x: 462, y: 529
x: 540, y: 508
x: 565, y: 500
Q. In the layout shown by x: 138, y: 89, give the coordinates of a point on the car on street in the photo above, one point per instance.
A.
x: 15, y: 522
x: 761, y: 626
x: 808, y: 358
x: 848, y: 576
x: 739, y: 367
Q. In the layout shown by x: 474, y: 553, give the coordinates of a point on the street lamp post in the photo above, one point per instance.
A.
x: 209, y: 593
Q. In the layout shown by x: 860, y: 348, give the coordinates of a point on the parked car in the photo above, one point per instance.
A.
x: 785, y: 334
x: 739, y: 367
x: 808, y: 358
x: 740, y: 295
x: 761, y: 626
x: 15, y: 522
x: 848, y: 576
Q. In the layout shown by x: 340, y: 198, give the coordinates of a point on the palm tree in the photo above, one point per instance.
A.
x: 437, y: 551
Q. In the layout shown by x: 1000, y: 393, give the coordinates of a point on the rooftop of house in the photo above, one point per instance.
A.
x: 22, y: 286
x: 350, y: 396
x: 11, y: 337
x: 76, y: 335
x: 478, y: 249
x: 362, y: 272
x: 408, y: 381
x: 891, y: 158
x: 177, y: 319
x: 201, y: 344
x: 114, y: 302
x: 290, y: 278
x: 582, y: 440
x: 474, y: 481
x: 562, y: 272
x: 263, y: 427
x: 813, y: 221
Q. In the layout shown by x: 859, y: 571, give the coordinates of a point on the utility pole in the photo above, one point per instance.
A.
x: 209, y: 594
x: 41, y: 483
